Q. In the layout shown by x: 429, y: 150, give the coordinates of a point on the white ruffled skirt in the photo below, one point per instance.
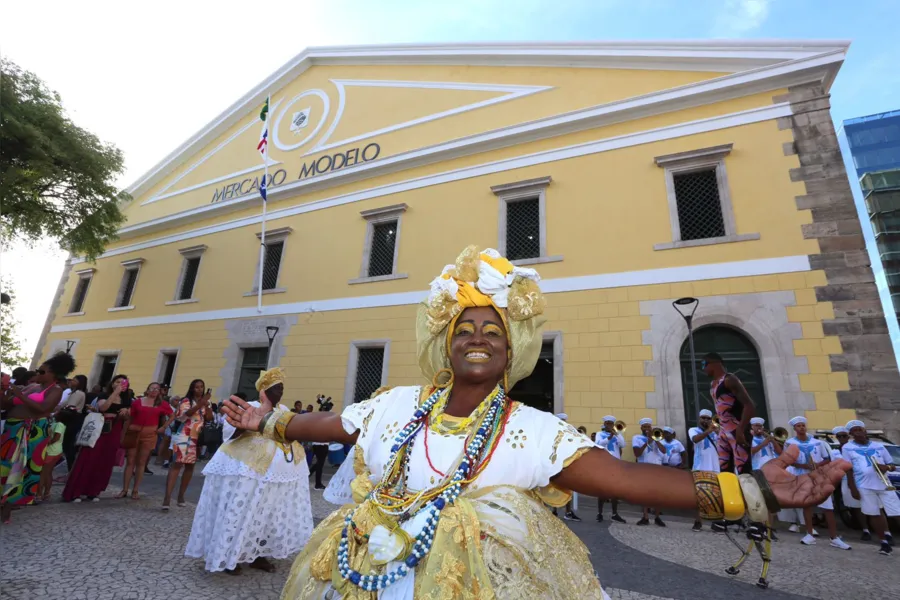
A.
x: 240, y: 519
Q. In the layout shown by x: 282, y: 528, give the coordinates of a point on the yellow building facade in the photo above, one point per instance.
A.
x: 629, y: 175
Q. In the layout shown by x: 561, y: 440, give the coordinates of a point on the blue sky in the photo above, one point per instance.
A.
x: 148, y: 76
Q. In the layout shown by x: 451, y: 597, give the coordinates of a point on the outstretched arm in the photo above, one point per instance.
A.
x: 308, y: 427
x: 599, y: 474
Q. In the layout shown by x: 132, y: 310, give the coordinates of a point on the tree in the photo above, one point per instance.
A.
x: 56, y: 179
x: 11, y: 354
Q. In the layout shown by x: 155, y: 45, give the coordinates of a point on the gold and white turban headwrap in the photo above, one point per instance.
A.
x: 270, y: 378
x: 482, y: 279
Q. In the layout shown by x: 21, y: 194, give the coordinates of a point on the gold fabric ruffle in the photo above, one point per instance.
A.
x: 257, y: 452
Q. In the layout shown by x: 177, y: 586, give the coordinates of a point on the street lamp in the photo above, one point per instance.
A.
x: 683, y: 305
x: 69, y: 344
x: 271, y: 332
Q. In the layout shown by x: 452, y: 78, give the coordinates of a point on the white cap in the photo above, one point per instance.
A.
x: 706, y: 413
x: 796, y: 420
x: 609, y: 418
x: 757, y: 421
x: 562, y: 416
x: 646, y: 421
x: 855, y: 423
x: 668, y: 430
x: 839, y: 429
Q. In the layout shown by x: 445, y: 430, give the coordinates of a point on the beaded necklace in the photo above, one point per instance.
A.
x: 391, y: 496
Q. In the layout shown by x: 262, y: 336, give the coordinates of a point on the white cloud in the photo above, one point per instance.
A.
x: 739, y: 17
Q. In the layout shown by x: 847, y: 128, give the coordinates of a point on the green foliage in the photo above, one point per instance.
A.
x: 56, y: 179
x: 11, y: 355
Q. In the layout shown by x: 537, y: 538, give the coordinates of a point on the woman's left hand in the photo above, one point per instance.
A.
x: 793, y: 491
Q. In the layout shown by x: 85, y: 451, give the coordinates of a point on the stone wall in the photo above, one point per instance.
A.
x: 858, y: 321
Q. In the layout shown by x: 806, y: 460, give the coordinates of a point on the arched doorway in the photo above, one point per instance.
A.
x: 741, y: 358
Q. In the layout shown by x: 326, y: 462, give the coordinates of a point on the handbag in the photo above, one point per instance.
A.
x: 210, y: 435
x: 90, y: 430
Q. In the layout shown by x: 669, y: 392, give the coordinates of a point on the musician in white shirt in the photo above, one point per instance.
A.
x: 650, y: 451
x: 610, y: 440
x: 868, y: 486
x: 674, y: 449
x: 705, y: 439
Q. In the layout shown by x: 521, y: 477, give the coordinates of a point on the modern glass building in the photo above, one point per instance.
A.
x: 871, y: 147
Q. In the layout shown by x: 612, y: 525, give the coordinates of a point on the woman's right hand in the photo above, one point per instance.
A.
x: 242, y: 415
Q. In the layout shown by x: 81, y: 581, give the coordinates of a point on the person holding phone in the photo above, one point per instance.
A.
x: 94, y: 466
x: 192, y: 413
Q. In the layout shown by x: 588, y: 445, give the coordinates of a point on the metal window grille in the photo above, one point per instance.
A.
x: 699, y: 206
x: 80, y: 295
x: 369, y: 364
x: 384, y: 244
x: 271, y: 265
x: 191, y: 266
x: 523, y: 229
x: 128, y: 281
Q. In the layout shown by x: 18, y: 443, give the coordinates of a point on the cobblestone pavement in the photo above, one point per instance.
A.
x: 130, y: 550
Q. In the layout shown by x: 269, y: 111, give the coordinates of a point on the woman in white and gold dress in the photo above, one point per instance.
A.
x: 452, y: 477
x: 255, y: 499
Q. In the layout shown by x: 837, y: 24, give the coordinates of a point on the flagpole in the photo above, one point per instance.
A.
x: 262, y: 237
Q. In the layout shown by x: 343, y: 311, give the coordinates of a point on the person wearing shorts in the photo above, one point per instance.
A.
x: 734, y: 409
x: 867, y: 486
x: 843, y: 436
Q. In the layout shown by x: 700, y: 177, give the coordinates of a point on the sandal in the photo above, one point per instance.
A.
x: 135, y: 496
x: 121, y: 494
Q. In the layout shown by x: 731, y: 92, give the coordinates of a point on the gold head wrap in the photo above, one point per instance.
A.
x: 482, y: 279
x: 269, y: 378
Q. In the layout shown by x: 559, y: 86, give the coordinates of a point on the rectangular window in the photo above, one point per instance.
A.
x: 81, y: 290
x: 369, y: 369
x: 107, y: 369
x: 271, y: 265
x: 381, y: 253
x: 699, y: 205
x: 126, y: 289
x: 381, y: 246
x: 522, y: 223
x: 189, y: 278
x: 698, y: 198
x: 523, y: 229
x: 253, y: 361
x: 167, y: 368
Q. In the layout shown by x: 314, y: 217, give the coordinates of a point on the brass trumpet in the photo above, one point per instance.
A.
x: 657, y: 434
x: 619, y: 426
x: 780, y: 434
x: 881, y: 475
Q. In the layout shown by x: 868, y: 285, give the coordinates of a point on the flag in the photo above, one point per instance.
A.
x: 262, y: 187
x: 262, y: 147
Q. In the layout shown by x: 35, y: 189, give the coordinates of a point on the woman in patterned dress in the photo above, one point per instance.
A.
x: 192, y: 413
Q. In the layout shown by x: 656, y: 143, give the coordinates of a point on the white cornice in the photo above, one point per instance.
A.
x: 718, y: 56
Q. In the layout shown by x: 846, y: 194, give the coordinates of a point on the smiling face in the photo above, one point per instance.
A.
x: 478, y: 348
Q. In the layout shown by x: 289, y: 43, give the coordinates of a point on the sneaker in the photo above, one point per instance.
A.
x: 319, y: 486
x: 839, y: 543
x: 815, y: 533
x: 643, y: 522
x: 570, y: 516
x: 866, y: 536
x: 794, y: 529
x: 95, y: 499
x: 166, y: 465
x: 618, y: 519
x: 599, y: 518
x: 698, y: 526
x: 147, y: 471
x: 885, y: 549
x: 808, y: 540
x: 889, y: 539
x: 77, y: 500
x: 659, y: 522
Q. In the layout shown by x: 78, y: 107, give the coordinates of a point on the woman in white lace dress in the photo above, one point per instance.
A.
x: 255, y: 500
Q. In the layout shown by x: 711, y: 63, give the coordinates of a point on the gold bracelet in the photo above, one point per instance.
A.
x: 281, y: 424
x: 269, y: 429
x: 709, y: 495
x: 732, y: 498
x: 753, y: 497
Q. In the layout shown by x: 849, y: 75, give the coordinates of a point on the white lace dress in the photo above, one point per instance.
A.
x: 243, y: 515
